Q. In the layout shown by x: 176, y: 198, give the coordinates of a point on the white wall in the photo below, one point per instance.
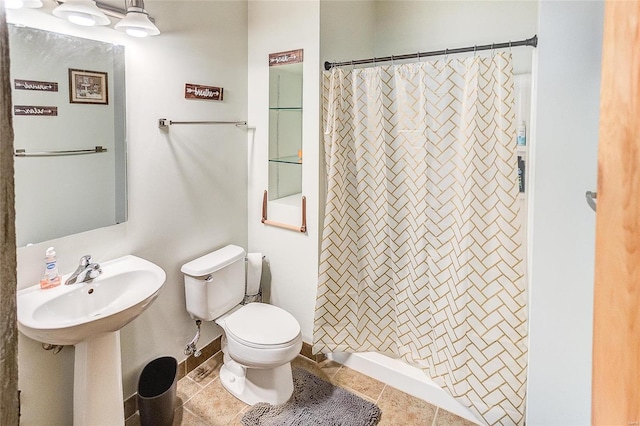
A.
x: 563, y: 226
x: 187, y: 189
x: 354, y: 21
x: 404, y: 27
x: 277, y: 26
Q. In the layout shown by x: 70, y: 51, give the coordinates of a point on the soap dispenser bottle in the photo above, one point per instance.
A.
x: 50, y: 276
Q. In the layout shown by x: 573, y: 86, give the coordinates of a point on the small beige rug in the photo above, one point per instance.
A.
x: 314, y: 402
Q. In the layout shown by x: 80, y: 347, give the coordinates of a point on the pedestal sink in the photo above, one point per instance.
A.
x: 89, y: 316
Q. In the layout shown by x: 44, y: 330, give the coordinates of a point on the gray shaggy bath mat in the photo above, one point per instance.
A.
x: 314, y: 403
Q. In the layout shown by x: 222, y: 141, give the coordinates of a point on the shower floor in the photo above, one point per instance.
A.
x: 202, y: 401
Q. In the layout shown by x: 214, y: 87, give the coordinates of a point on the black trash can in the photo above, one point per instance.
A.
x: 157, y: 392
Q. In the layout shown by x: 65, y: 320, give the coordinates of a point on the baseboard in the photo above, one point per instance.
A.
x: 191, y: 363
x: 307, y: 352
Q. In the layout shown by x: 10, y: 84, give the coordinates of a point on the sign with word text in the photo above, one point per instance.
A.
x: 42, y: 86
x: 197, y: 91
x: 44, y: 111
x: 283, y: 58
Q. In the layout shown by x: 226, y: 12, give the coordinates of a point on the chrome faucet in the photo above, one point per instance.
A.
x: 85, y: 272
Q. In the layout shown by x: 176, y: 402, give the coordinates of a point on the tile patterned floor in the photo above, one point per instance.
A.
x: 201, y: 400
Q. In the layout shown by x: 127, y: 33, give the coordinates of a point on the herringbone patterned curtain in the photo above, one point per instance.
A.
x: 421, y: 251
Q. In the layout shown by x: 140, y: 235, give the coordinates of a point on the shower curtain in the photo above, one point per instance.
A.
x: 421, y: 250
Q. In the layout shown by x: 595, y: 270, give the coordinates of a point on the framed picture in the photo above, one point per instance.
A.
x: 88, y: 87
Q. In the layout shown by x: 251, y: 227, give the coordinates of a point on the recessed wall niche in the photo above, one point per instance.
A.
x: 285, y: 124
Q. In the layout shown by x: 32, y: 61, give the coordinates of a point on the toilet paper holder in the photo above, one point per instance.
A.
x: 253, y: 278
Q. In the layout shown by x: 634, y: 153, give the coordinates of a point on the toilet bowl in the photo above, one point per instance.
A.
x: 258, y: 344
x: 258, y: 341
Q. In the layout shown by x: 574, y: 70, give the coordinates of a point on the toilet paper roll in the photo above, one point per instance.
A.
x: 254, y: 273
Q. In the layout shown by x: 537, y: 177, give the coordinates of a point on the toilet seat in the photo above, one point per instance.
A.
x: 259, y: 325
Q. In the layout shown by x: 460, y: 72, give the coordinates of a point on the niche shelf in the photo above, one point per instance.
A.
x: 287, y: 160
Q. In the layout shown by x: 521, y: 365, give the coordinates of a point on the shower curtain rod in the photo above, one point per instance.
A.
x: 533, y: 41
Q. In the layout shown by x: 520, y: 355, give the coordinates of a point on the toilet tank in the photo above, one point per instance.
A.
x: 214, y: 283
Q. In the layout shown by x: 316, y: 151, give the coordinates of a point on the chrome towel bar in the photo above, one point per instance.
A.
x: 24, y: 153
x: 164, y: 123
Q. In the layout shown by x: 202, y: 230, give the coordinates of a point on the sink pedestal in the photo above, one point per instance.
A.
x: 97, y: 381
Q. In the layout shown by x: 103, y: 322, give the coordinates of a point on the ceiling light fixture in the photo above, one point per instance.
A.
x: 81, y: 12
x: 137, y: 23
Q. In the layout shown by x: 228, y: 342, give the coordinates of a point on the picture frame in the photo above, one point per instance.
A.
x: 88, y: 87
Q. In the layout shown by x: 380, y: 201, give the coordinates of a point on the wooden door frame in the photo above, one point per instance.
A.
x: 616, y: 334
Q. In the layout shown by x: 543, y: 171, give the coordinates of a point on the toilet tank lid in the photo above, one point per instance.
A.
x: 213, y: 261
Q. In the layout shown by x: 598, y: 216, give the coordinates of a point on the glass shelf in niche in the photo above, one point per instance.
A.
x: 285, y: 108
x: 292, y: 159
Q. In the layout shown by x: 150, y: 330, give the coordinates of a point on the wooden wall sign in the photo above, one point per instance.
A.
x: 197, y: 91
x: 43, y: 86
x: 283, y: 58
x: 43, y: 111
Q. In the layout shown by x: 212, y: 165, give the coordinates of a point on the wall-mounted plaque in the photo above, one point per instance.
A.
x: 44, y: 111
x: 198, y: 91
x: 42, y: 86
x: 283, y: 58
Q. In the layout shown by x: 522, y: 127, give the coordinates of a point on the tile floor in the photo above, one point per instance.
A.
x: 201, y: 400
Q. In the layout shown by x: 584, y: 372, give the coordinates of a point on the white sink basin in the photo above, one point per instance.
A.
x: 69, y: 314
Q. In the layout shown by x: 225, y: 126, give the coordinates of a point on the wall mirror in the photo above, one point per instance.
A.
x: 285, y: 124
x: 69, y: 124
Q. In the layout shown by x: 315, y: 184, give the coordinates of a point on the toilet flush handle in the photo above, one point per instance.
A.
x: 208, y: 279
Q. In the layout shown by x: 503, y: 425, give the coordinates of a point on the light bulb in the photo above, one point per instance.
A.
x: 136, y: 32
x: 83, y: 19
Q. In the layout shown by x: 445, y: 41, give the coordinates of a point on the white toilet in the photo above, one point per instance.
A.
x: 259, y: 340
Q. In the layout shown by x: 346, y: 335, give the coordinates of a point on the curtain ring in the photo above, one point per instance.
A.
x: 352, y: 65
x: 510, y: 46
x: 446, y: 54
x: 493, y: 52
x: 475, y: 50
x: 392, y: 64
